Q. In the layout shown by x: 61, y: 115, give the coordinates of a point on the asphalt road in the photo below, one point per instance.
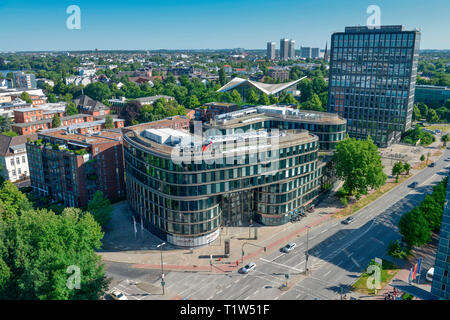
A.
x: 338, y: 253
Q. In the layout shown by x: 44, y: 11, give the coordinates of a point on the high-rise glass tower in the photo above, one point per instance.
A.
x: 372, y: 80
x: 270, y: 50
x: 284, y: 49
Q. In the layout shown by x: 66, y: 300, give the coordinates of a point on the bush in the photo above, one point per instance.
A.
x: 344, y: 201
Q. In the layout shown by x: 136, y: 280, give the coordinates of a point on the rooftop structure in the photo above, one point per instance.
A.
x: 243, y: 85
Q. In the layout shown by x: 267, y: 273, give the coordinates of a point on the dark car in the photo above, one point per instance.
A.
x: 432, y: 164
x: 413, y: 185
x: 348, y: 220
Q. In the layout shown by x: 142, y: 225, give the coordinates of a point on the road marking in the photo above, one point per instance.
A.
x: 281, y: 265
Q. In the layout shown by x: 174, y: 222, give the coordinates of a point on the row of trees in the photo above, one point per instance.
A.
x: 413, y: 135
x: 417, y: 226
x: 432, y: 114
x: 41, y: 250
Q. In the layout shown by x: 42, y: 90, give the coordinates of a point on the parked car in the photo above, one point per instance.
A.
x: 348, y: 220
x: 118, y: 295
x: 448, y: 159
x: 289, y: 247
x: 432, y: 164
x: 413, y: 185
x: 430, y: 273
x: 247, y: 268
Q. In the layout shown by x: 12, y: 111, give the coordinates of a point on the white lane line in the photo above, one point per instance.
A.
x: 281, y: 265
x: 327, y: 273
x: 277, y: 256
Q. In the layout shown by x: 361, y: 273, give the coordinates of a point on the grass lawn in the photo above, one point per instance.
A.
x: 389, y: 270
x: 361, y: 203
x: 442, y: 128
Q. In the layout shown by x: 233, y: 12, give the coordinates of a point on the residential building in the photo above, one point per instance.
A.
x: 278, y: 74
x: 46, y: 122
x: 284, y: 49
x: 440, y: 285
x: 90, y: 106
x: 24, y: 80
x: 372, y: 80
x: 291, y: 49
x: 271, y: 50
x: 70, y: 167
x: 13, y: 157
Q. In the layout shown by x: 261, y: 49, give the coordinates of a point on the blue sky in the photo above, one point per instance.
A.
x: 201, y: 24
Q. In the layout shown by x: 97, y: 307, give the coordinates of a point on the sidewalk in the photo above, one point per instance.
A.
x: 122, y: 244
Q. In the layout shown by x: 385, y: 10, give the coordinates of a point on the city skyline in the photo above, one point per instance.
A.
x: 175, y: 25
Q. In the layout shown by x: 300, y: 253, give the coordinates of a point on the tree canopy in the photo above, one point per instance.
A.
x: 358, y: 163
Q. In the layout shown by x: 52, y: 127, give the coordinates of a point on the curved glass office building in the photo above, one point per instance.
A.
x: 185, y: 186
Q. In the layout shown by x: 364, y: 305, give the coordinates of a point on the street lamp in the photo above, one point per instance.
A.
x: 162, y: 265
x: 306, y: 252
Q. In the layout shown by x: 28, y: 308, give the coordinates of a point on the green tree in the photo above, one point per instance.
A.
x: 222, y: 76
x: 71, y: 109
x: 432, y: 212
x: 395, y: 250
x: 397, y: 170
x: 56, y: 121
x: 414, y: 228
x: 100, y: 207
x: 252, y: 96
x: 98, y: 91
x: 358, y: 163
x: 236, y: 97
x: 264, y: 99
x: 416, y: 113
x: 432, y: 116
x: 289, y: 99
x: 25, y: 97
x: 5, y: 123
x: 422, y: 158
x: 12, y: 201
x: 445, y: 138
x: 52, y: 98
x: 406, y: 167
x: 38, y: 249
x: 131, y: 112
x: 193, y: 102
x: 109, y: 122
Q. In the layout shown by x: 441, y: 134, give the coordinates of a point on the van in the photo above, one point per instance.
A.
x: 430, y: 274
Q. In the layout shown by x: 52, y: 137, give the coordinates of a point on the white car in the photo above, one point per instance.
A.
x: 118, y: 295
x: 289, y: 247
x: 249, y: 267
x: 430, y: 274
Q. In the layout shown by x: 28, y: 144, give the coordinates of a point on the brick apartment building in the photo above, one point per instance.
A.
x: 278, y: 74
x: 90, y: 106
x: 71, y: 167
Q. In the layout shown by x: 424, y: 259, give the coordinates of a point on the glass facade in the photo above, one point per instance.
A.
x: 372, y: 80
x: 192, y: 200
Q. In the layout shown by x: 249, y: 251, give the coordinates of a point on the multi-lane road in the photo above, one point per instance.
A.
x: 338, y: 253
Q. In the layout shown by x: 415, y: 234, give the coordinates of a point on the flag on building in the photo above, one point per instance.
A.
x: 414, y: 272
x: 419, y: 265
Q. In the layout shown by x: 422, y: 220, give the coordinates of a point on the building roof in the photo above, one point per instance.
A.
x: 86, y: 103
x: 7, y: 143
x: 267, y: 88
